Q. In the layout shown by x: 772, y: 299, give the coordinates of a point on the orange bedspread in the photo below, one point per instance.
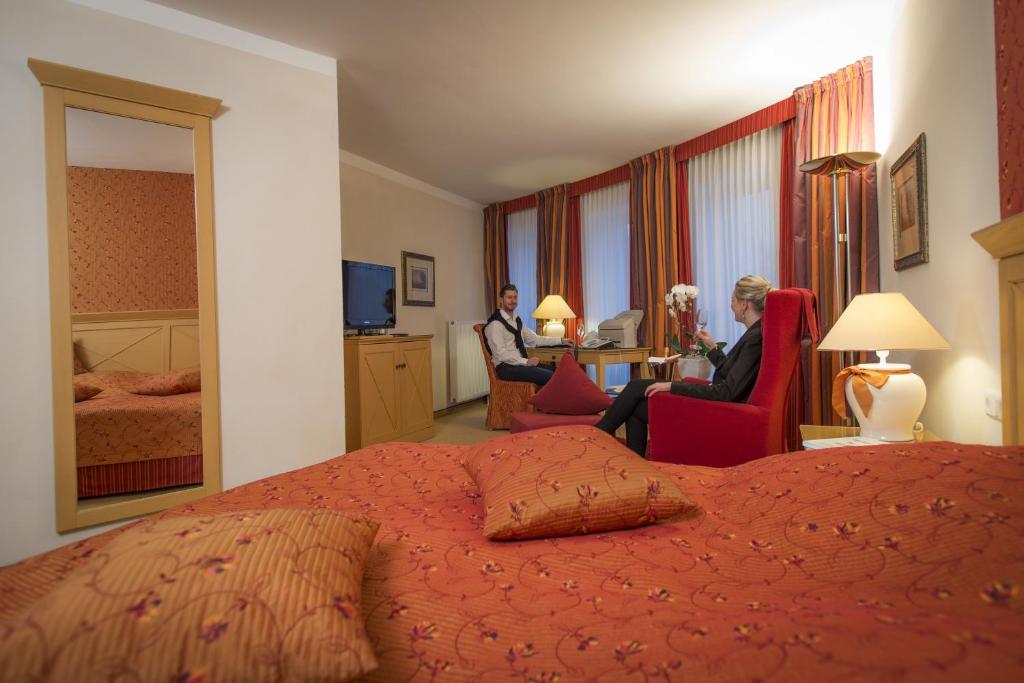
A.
x: 117, y: 426
x: 866, y: 564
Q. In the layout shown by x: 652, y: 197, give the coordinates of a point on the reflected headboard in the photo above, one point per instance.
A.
x: 136, y: 341
x: 1005, y: 242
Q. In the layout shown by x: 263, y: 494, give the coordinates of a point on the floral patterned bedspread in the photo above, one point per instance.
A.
x: 857, y: 564
x: 118, y: 426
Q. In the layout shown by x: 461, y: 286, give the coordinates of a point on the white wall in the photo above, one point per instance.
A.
x: 940, y: 75
x: 384, y: 214
x: 276, y: 188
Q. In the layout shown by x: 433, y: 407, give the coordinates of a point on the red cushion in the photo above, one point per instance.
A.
x: 570, y: 391
x: 524, y: 422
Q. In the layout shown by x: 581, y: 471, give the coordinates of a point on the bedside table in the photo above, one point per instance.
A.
x: 809, y: 432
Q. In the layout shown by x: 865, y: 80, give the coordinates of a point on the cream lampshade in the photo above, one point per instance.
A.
x: 887, y: 398
x: 554, y: 310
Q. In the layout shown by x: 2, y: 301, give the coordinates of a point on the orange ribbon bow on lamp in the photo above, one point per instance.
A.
x: 861, y: 378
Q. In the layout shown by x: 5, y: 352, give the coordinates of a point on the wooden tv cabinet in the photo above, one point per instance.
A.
x: 388, y: 390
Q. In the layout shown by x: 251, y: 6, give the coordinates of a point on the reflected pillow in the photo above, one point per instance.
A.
x: 268, y: 595
x: 79, y: 365
x: 84, y: 391
x: 168, y: 383
x: 569, y: 480
x: 570, y: 391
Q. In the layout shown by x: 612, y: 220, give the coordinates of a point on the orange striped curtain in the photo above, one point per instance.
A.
x: 654, y: 247
x: 495, y: 255
x: 559, y: 255
x: 834, y: 114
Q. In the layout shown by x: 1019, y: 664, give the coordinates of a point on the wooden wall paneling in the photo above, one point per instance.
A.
x: 1005, y: 242
x: 1011, y: 278
x: 184, y: 344
x: 153, y: 341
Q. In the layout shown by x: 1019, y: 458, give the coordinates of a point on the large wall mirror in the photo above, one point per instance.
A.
x: 132, y: 295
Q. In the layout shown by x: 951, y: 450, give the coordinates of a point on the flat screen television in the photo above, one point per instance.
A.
x: 368, y: 291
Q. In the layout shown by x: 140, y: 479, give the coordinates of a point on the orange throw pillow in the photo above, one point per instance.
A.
x: 168, y: 383
x: 271, y: 595
x: 570, y: 391
x: 566, y: 481
x: 84, y: 391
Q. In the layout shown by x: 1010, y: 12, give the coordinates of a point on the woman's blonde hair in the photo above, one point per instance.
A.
x: 753, y: 288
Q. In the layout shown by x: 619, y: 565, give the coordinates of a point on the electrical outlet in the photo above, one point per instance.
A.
x: 994, y: 406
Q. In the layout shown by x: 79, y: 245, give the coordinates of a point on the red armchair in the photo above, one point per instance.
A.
x: 719, y: 434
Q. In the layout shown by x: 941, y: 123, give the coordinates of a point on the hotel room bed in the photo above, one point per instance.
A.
x: 889, y: 563
x: 128, y: 442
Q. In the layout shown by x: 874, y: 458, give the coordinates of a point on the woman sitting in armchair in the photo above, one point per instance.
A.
x: 735, y: 372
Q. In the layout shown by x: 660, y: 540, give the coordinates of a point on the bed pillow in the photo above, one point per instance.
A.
x: 271, y: 595
x: 84, y: 391
x: 78, y: 364
x: 570, y: 391
x: 569, y: 480
x: 168, y: 383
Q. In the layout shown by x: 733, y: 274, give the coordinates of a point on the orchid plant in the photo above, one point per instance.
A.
x: 679, y: 300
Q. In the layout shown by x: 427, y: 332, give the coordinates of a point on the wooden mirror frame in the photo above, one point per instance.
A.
x: 63, y: 87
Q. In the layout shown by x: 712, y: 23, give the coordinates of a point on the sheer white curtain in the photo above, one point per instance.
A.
x: 734, y: 222
x: 604, y: 227
x: 522, y: 262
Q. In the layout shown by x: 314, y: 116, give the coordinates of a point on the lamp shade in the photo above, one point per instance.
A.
x: 881, y: 322
x: 553, y: 308
x: 846, y: 162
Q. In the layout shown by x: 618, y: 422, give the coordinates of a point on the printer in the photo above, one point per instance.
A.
x: 622, y: 328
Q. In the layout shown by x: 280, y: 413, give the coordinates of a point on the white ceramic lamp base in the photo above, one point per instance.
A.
x: 894, y: 408
x: 554, y: 328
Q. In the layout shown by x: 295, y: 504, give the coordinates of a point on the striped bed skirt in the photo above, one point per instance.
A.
x: 142, y: 475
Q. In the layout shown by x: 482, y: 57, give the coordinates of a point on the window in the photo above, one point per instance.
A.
x: 734, y: 222
x: 604, y: 227
x: 522, y: 262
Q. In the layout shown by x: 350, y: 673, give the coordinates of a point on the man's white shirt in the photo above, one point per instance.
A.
x: 503, y: 342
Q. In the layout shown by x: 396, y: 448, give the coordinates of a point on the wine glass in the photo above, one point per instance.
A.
x: 702, y: 319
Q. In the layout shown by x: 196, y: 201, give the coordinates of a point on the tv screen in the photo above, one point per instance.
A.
x: 368, y: 291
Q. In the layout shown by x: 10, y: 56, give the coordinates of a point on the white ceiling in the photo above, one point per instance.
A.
x: 99, y: 140
x: 490, y: 99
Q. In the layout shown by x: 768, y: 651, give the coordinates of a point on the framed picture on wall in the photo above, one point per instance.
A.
x: 909, y: 183
x: 417, y: 279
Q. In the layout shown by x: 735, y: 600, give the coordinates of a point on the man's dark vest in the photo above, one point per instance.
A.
x: 516, y: 331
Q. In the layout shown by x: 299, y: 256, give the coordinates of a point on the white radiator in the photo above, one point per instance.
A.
x: 467, y: 374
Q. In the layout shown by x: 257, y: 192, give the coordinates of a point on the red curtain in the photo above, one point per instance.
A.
x: 575, y: 272
x: 495, y: 254
x: 559, y: 258
x: 834, y: 114
x: 653, y: 242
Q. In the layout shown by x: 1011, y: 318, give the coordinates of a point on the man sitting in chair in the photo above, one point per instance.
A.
x: 507, y: 339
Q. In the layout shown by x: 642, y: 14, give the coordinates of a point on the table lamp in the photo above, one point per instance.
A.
x: 887, y: 398
x: 554, y: 310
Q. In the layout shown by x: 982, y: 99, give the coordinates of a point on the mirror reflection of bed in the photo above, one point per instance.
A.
x: 134, y: 306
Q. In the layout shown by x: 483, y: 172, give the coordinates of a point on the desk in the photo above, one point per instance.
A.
x: 637, y: 356
x: 811, y: 432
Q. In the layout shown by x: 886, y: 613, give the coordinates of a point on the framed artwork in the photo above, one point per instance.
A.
x: 417, y: 279
x: 909, y: 183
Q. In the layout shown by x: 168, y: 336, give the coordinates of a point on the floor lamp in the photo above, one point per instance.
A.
x: 835, y: 165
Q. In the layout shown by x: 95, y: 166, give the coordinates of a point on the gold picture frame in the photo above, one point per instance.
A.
x: 908, y: 182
